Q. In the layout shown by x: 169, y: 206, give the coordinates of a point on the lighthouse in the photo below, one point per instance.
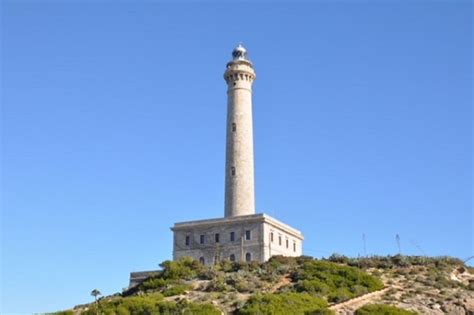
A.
x: 242, y: 234
x: 239, y: 170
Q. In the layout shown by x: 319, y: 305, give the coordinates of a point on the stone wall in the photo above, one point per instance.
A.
x: 138, y: 277
x: 223, y: 249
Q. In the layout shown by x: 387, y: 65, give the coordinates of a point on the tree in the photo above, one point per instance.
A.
x: 95, y: 293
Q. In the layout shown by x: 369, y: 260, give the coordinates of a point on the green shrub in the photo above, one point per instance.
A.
x: 185, y: 268
x: 150, y: 305
x: 284, y: 303
x: 315, y: 286
x: 334, y: 281
x: 340, y: 295
x: 218, y: 284
x: 136, y: 305
x: 176, y: 289
x: 200, y: 309
x: 381, y: 309
x: 153, y: 283
x: 387, y: 262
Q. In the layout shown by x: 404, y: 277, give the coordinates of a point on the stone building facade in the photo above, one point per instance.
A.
x: 254, y: 237
x: 241, y: 235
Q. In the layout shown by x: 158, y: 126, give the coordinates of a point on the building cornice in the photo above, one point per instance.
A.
x: 259, y: 217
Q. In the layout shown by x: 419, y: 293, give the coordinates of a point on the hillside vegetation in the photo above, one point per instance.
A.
x: 302, y: 285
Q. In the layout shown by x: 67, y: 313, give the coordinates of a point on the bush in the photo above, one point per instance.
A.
x: 218, y: 284
x: 200, y: 309
x: 388, y: 262
x: 176, y: 289
x: 150, y: 305
x: 126, y: 306
x: 153, y: 283
x: 381, y: 309
x: 284, y: 303
x: 185, y: 268
x: 338, y: 283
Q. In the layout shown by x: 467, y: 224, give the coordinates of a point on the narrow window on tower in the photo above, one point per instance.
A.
x: 247, y: 235
x: 232, y: 236
x: 234, y: 127
x: 187, y: 241
x: 201, y: 239
x: 232, y: 171
x: 217, y: 237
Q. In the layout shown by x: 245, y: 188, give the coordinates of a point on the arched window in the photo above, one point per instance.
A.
x: 248, y: 257
x: 232, y: 257
x: 201, y: 260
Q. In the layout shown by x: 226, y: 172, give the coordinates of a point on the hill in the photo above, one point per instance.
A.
x: 302, y: 285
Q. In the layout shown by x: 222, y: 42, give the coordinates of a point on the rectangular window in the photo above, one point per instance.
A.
x: 217, y: 237
x: 247, y: 235
x: 201, y: 239
x: 188, y: 240
x: 234, y: 127
x: 287, y: 243
x: 232, y: 236
x: 271, y: 237
x: 294, y: 246
x: 279, y: 240
x: 232, y: 171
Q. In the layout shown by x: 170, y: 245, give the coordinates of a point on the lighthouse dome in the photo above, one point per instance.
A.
x: 239, y: 52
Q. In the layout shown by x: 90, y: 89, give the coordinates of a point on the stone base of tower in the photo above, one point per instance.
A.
x: 254, y: 237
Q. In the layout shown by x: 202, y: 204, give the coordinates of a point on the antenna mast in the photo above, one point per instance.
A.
x: 397, y: 237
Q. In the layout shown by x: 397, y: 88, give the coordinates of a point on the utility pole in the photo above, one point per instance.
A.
x: 365, y: 247
x: 397, y: 237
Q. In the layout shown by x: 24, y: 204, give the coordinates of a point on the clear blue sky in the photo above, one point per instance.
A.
x: 113, y: 128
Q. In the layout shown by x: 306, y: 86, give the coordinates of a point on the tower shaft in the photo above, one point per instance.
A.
x: 239, y: 178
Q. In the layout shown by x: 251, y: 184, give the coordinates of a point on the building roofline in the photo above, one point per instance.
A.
x: 230, y: 220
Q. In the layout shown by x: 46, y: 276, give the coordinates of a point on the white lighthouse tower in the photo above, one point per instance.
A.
x: 239, y: 171
x: 242, y: 234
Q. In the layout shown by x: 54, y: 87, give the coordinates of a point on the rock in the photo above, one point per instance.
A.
x: 453, y: 309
